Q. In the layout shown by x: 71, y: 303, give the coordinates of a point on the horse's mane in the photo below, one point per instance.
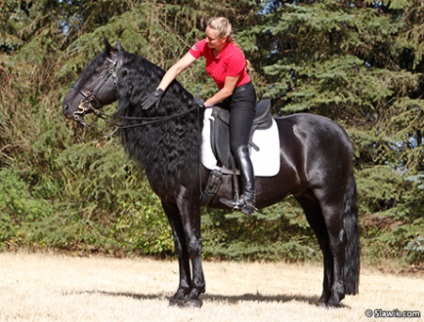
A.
x: 168, y: 150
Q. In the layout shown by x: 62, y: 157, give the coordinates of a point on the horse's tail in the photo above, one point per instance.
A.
x: 350, y: 222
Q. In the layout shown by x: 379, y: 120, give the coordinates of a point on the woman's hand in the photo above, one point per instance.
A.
x: 152, y: 99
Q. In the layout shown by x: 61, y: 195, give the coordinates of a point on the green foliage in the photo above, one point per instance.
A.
x: 110, y: 208
x: 356, y: 62
x: 276, y: 232
x: 415, y: 250
x: 392, y: 214
x: 19, y: 207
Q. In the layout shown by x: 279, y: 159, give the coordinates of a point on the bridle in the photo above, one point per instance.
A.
x: 90, y: 101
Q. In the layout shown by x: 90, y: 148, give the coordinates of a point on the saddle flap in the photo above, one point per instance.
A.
x: 220, y: 138
x: 221, y: 114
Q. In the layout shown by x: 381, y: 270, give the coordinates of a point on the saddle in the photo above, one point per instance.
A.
x: 220, y: 133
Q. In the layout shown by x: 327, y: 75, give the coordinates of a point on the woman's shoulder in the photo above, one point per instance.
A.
x: 233, y: 51
x: 198, y: 49
x: 200, y: 45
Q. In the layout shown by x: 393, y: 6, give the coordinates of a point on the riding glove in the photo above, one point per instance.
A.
x: 199, y: 102
x: 152, y: 99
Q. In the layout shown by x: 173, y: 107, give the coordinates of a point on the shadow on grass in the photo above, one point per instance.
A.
x: 232, y: 299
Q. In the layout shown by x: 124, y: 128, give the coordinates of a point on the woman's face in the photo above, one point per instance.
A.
x: 213, y: 40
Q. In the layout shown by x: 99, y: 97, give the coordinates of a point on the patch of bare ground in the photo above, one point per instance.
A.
x: 42, y: 287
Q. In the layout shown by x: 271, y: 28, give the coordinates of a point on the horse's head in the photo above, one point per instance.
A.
x: 96, y: 86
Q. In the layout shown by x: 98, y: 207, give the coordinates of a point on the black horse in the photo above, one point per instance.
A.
x: 316, y: 168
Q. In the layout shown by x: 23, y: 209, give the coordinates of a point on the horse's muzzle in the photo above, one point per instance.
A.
x: 84, y: 108
x: 66, y: 111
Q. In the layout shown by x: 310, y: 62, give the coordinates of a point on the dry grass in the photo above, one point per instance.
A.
x: 58, y: 288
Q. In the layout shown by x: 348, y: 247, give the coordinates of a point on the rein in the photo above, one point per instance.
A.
x: 144, y: 120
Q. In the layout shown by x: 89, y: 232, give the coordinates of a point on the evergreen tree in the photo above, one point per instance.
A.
x: 357, y: 62
x: 361, y: 64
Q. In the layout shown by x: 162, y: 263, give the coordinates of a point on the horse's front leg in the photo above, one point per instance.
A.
x: 184, y: 286
x: 188, y: 205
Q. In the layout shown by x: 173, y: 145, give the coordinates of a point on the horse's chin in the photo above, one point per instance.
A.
x: 68, y: 117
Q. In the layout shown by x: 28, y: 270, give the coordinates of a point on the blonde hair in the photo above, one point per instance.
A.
x: 222, y: 26
x: 224, y: 29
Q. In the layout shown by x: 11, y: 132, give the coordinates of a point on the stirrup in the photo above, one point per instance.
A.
x: 239, y: 204
x: 234, y: 204
x: 248, y: 209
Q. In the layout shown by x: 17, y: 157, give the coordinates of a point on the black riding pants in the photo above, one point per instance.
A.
x: 242, y: 106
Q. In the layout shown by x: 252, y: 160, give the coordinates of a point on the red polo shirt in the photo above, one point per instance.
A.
x: 229, y: 62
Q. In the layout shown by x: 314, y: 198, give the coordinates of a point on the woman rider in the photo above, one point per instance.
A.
x: 226, y: 64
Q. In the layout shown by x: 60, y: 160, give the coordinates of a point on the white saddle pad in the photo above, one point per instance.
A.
x: 266, y: 161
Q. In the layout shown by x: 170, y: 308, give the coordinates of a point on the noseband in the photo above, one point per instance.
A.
x: 90, y: 100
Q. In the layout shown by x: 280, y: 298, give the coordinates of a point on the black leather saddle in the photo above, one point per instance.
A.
x: 220, y: 134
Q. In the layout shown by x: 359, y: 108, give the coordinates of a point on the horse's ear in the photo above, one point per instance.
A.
x: 118, y: 46
x: 108, y: 46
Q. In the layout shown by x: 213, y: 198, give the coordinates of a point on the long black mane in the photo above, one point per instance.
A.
x: 168, y: 150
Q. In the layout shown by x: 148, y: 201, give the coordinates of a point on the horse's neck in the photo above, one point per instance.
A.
x: 168, y: 149
x: 168, y: 152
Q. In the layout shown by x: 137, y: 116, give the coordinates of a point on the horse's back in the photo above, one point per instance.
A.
x: 316, y: 146
x: 314, y: 131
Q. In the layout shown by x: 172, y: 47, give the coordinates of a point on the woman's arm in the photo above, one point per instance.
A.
x: 175, y: 70
x: 223, y: 93
x: 155, y: 97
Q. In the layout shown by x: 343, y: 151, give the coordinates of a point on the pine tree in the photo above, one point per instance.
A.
x: 357, y: 62
x: 361, y: 64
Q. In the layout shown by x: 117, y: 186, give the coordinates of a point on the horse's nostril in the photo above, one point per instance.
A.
x: 66, y: 110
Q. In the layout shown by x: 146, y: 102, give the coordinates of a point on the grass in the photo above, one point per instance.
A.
x: 45, y: 287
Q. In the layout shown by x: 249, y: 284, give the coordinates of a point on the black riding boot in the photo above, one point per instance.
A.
x: 246, y: 202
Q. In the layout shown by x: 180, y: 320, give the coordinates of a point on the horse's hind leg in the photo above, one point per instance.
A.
x: 315, y: 219
x: 333, y: 217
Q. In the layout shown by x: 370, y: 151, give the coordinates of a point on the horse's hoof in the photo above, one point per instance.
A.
x: 176, y: 302
x: 323, y: 299
x: 329, y: 305
x: 334, y: 301
x: 193, y: 303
